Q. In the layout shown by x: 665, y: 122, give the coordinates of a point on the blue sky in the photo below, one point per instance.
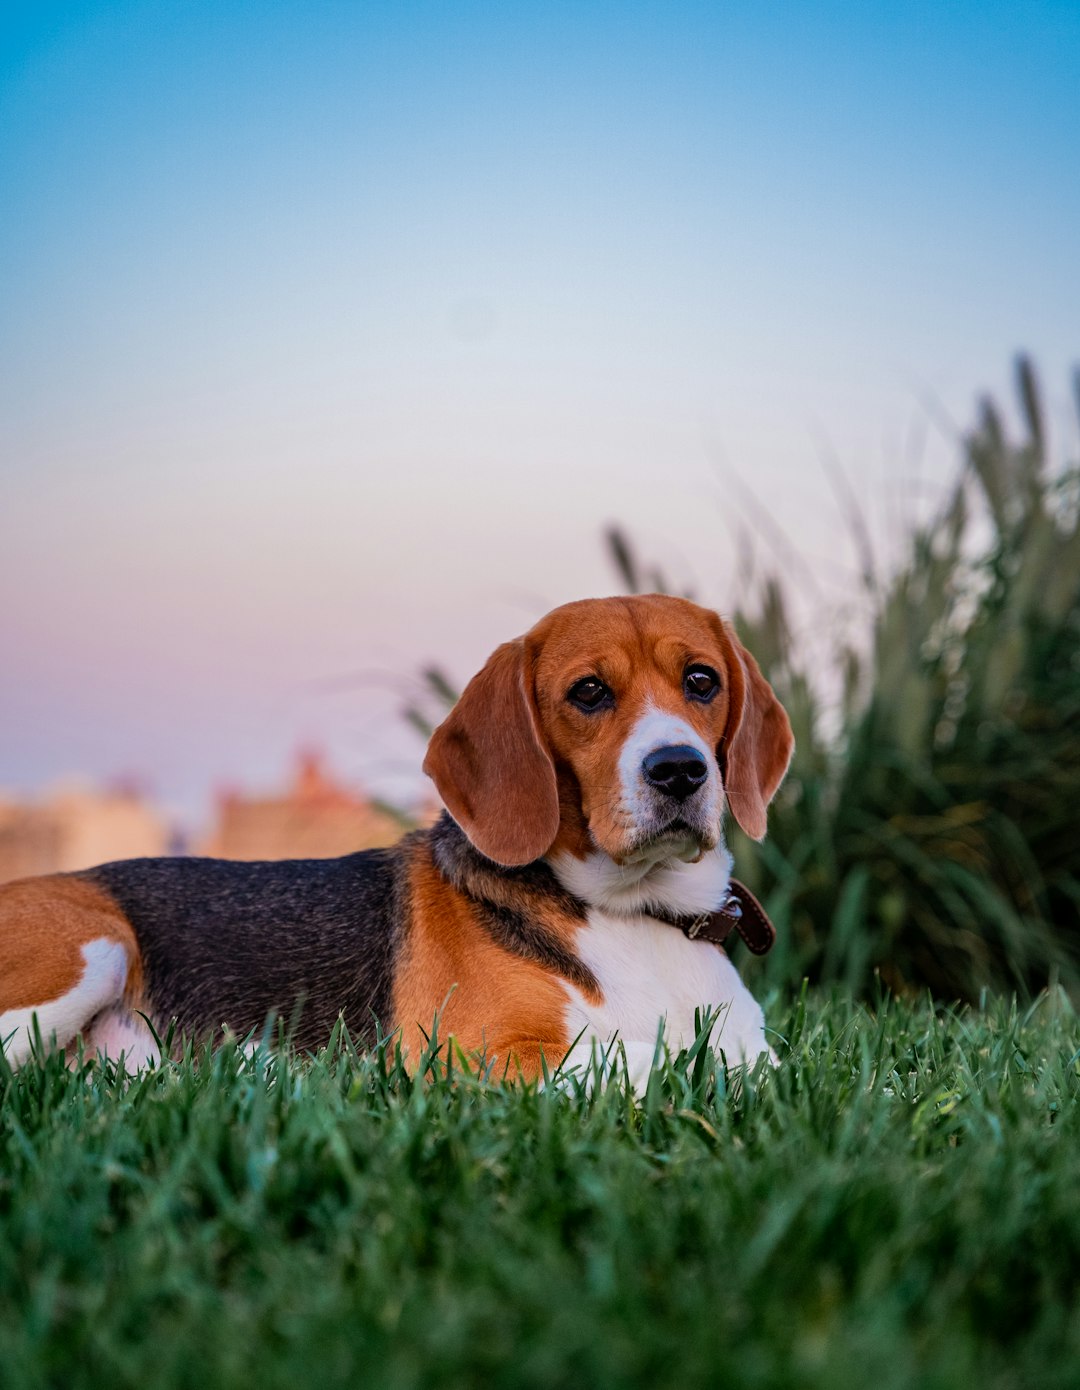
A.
x: 331, y: 334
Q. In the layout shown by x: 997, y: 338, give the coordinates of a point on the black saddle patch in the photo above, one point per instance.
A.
x: 228, y: 943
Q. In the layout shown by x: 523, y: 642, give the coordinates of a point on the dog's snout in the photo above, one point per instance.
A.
x: 678, y: 771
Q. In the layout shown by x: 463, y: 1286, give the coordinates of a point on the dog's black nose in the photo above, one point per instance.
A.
x: 678, y: 771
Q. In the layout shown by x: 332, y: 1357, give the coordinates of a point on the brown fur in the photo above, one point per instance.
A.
x: 44, y: 923
x: 491, y: 1002
x: 491, y: 765
x: 756, y: 747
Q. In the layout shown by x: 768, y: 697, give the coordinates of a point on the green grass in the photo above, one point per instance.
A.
x: 896, y: 1205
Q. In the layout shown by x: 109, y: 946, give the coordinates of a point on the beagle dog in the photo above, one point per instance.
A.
x: 577, y: 892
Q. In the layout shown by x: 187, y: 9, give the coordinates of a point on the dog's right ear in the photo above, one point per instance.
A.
x: 491, y: 765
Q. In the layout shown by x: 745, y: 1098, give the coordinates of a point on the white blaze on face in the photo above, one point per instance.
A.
x: 649, y: 808
x: 670, y: 873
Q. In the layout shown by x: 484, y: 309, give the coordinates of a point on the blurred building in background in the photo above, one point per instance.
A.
x: 74, y: 828
x: 313, y: 818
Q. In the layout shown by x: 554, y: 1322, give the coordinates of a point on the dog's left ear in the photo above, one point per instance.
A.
x: 490, y: 763
x: 757, y: 744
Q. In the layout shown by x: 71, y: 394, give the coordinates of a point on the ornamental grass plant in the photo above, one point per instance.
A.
x: 930, y: 834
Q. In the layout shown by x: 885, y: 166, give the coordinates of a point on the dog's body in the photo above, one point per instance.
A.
x: 586, y: 771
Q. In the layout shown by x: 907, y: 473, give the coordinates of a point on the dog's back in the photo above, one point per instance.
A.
x: 226, y: 943
x: 207, y: 943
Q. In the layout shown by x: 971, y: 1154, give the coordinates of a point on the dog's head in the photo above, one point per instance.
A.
x: 623, y: 725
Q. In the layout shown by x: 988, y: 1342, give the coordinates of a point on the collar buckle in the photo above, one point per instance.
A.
x: 698, y: 925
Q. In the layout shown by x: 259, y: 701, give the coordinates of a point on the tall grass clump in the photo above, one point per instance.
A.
x: 935, y: 838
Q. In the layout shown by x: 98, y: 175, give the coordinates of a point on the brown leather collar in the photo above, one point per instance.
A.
x: 741, y: 913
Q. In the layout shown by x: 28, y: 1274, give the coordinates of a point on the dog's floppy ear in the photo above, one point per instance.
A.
x: 491, y: 766
x: 757, y: 744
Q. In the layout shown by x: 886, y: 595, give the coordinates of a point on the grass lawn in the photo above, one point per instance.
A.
x: 897, y: 1205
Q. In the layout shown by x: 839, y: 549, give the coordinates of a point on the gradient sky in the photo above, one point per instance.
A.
x: 332, y: 334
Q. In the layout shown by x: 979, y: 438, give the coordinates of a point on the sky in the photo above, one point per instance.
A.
x: 333, y: 335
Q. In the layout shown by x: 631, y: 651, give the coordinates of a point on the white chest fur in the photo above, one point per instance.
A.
x: 650, y: 973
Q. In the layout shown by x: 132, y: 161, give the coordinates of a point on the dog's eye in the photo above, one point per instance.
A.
x: 701, y: 683
x: 590, y: 694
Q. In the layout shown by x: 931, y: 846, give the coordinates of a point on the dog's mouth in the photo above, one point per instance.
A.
x: 678, y: 839
x: 677, y: 829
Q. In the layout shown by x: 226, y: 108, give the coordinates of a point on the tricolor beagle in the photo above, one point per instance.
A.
x: 586, y: 770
